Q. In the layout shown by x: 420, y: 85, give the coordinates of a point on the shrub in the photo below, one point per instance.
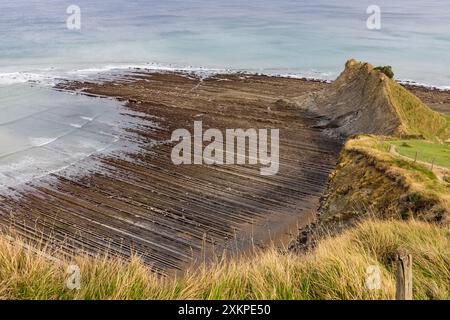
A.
x: 387, y: 70
x: 404, y: 144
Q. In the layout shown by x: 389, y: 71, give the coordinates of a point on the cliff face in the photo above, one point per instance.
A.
x: 364, y: 100
x: 369, y: 181
x: 367, y: 185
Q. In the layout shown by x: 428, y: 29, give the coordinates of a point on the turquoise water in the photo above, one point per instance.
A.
x: 44, y: 131
x: 312, y: 38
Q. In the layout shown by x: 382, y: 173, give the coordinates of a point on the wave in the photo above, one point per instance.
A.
x: 425, y: 85
x: 41, y: 141
x: 10, y: 78
x: 112, y: 71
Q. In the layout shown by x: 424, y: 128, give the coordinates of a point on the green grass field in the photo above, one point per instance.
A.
x: 426, y: 151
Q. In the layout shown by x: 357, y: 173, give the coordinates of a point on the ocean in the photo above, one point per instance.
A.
x: 284, y: 37
x: 307, y: 38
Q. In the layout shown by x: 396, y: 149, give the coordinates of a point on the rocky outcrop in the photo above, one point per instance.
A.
x: 364, y: 100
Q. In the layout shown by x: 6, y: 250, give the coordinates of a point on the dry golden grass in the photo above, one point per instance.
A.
x: 335, y: 270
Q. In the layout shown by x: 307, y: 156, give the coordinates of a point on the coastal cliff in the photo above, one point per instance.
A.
x: 364, y: 100
x: 372, y: 180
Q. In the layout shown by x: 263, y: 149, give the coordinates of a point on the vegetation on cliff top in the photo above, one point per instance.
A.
x: 387, y: 70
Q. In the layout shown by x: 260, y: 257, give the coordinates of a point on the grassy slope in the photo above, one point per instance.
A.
x: 335, y: 270
x: 416, y: 117
x: 426, y: 151
x: 417, y: 176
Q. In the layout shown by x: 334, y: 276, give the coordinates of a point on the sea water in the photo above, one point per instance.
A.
x: 302, y: 37
x: 43, y: 131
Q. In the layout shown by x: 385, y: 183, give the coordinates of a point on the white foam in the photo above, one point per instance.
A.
x: 41, y: 141
x: 103, y: 69
x: 50, y: 76
x: 22, y: 77
x: 425, y: 85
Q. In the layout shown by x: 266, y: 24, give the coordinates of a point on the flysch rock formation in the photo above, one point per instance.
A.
x: 364, y: 100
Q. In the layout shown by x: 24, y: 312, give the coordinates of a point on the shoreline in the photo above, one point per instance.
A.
x: 89, y: 73
x: 165, y: 212
x: 169, y: 214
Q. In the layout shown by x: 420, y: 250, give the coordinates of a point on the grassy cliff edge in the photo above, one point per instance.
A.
x: 336, y: 269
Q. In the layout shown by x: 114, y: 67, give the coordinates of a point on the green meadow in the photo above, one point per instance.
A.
x: 426, y: 151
